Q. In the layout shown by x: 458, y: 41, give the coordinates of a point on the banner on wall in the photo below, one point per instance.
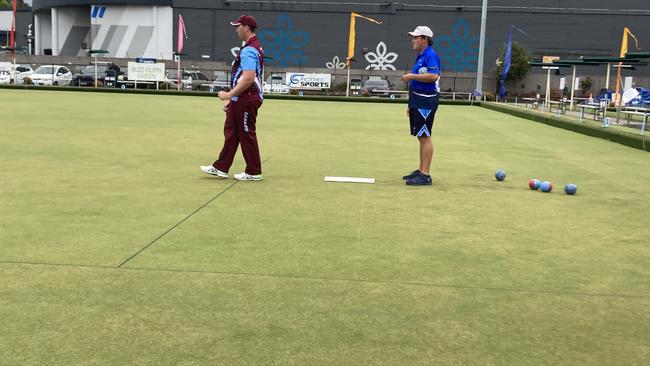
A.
x: 297, y: 80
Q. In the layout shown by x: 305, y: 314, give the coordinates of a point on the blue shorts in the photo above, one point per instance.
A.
x: 421, y: 121
x: 422, y: 110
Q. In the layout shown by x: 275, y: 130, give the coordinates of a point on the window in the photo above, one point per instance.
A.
x: 44, y: 70
x: 4, y: 39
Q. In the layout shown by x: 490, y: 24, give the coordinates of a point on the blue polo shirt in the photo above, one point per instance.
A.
x: 250, y: 58
x: 427, y: 61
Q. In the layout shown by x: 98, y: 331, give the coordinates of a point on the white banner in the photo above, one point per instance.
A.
x: 629, y: 95
x: 146, y: 72
x: 629, y: 81
x: 297, y: 80
x: 576, y: 84
x: 562, y: 82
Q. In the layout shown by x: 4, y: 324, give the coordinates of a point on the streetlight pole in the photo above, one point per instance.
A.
x: 481, y: 50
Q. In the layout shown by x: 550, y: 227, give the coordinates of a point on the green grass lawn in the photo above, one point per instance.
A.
x: 116, y: 249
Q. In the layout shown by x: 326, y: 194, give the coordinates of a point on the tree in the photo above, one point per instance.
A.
x: 7, y: 4
x: 519, y: 63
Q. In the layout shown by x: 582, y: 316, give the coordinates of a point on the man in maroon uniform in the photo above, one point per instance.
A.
x: 243, y: 101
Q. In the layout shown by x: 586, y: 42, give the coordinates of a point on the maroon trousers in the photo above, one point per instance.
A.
x: 239, y: 128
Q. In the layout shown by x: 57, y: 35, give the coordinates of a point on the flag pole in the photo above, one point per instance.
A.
x: 481, y: 49
x: 182, y: 34
x: 624, y: 49
x: 351, y: 43
x: 178, y: 71
x: 12, y: 40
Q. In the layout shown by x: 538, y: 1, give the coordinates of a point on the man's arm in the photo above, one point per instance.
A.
x: 425, y: 78
x: 249, y: 63
x: 245, y: 80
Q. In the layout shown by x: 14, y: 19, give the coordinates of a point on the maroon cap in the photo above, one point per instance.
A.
x: 245, y: 20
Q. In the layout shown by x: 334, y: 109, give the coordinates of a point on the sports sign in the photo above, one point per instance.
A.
x: 297, y: 80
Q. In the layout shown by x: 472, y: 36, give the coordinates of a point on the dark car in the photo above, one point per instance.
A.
x: 87, y: 75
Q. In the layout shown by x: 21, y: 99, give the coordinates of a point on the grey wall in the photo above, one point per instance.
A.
x: 304, y: 33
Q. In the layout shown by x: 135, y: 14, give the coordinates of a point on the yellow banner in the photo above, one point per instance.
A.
x: 624, y: 49
x: 626, y: 32
x: 351, y: 40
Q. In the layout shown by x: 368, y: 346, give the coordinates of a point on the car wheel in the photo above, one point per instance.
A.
x: 55, y: 83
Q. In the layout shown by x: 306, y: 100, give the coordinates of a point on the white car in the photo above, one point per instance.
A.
x: 5, y: 73
x: 275, y: 84
x: 52, y: 75
x: 7, y: 76
x: 23, y: 71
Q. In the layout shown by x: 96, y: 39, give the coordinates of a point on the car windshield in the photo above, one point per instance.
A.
x: 43, y: 70
x: 173, y: 75
x: 90, y: 69
x: 221, y: 77
x: 376, y: 84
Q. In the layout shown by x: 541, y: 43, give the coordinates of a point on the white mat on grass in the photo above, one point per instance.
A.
x: 350, y: 180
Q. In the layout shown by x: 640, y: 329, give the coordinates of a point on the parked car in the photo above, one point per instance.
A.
x: 51, y: 75
x: 87, y: 75
x: 22, y: 71
x: 275, y: 84
x: 5, y: 73
x: 190, y: 79
x: 220, y: 83
x: 376, y: 88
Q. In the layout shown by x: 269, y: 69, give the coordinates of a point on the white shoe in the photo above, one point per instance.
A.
x: 246, y: 176
x: 209, y: 169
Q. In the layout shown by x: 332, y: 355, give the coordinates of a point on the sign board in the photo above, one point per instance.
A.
x: 297, y: 80
x: 146, y: 72
x: 550, y: 59
x: 576, y: 84
x: 628, y: 83
x: 146, y: 60
x: 629, y: 95
x: 562, y: 82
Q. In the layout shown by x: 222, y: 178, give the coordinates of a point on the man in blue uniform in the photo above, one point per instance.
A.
x: 424, y: 90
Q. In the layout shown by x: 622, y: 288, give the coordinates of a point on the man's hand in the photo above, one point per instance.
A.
x: 407, y: 112
x: 407, y: 77
x: 226, y: 105
x: 223, y: 95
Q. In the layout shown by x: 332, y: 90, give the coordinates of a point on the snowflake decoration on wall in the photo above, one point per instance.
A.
x: 284, y: 45
x: 335, y: 64
x: 382, y: 59
x: 458, y: 51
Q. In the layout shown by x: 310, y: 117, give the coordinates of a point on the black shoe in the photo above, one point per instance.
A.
x: 411, y: 175
x: 419, y: 180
